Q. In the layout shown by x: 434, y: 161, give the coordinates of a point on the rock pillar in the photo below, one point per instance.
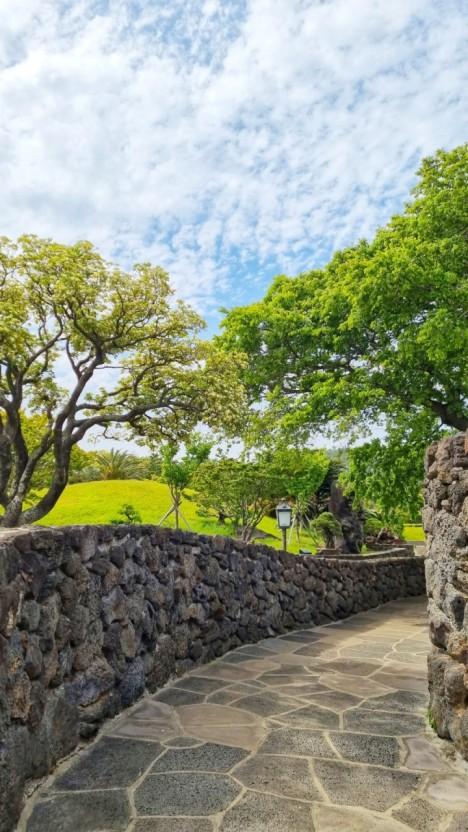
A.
x: 445, y: 518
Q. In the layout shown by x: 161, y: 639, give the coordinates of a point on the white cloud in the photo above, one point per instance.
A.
x: 211, y: 136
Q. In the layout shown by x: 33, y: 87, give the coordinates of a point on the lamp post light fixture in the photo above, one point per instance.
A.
x: 284, y: 519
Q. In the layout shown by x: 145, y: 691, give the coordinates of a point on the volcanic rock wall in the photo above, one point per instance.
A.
x: 446, y: 523
x: 91, y: 616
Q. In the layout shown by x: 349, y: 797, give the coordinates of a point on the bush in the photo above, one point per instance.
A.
x: 373, y: 526
x: 128, y: 515
x: 327, y: 524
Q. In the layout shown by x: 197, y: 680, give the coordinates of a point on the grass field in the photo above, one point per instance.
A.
x: 100, y: 502
x: 414, y: 533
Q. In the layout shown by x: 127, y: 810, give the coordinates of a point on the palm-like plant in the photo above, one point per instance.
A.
x: 120, y: 465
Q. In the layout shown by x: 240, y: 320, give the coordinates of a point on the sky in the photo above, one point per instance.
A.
x: 225, y: 141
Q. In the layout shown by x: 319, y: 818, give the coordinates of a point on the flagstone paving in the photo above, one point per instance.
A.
x: 319, y: 730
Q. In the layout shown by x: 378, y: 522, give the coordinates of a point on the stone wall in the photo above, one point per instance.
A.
x: 446, y: 524
x: 91, y: 616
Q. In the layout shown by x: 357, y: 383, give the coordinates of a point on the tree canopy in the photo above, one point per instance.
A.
x: 301, y: 471
x: 239, y: 491
x: 244, y: 491
x: 86, y: 345
x: 379, y: 336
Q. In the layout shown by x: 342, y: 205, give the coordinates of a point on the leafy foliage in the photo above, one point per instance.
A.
x: 238, y: 491
x: 301, y: 471
x: 327, y: 524
x: 389, y: 474
x: 178, y: 473
x: 120, y: 465
x: 380, y: 335
x: 373, y: 526
x: 127, y: 514
x: 244, y: 491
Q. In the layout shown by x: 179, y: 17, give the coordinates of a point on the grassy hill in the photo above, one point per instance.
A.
x: 100, y: 502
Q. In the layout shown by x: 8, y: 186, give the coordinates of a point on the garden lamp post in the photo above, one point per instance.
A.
x: 284, y: 519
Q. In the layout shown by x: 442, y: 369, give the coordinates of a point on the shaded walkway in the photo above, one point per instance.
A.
x: 322, y: 729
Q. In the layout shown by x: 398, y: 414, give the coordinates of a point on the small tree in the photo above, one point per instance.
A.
x: 154, y: 465
x: 328, y: 526
x: 178, y: 473
x: 242, y: 492
x: 302, y: 472
x: 134, y: 360
x: 128, y: 514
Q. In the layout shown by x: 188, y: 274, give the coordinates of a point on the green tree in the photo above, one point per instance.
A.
x: 388, y: 475
x: 135, y: 360
x: 82, y: 463
x: 178, y: 473
x: 242, y: 492
x: 301, y: 472
x: 378, y: 336
x: 154, y: 465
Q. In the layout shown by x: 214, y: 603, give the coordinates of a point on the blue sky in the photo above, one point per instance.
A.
x: 226, y: 141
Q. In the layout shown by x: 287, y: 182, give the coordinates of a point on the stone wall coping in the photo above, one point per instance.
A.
x: 105, y: 531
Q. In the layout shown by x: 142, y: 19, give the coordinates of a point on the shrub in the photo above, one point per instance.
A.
x: 128, y: 514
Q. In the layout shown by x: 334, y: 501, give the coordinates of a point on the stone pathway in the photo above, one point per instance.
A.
x: 322, y: 729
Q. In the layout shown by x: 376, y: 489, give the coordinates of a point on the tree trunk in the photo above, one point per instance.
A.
x: 48, y: 501
x: 246, y: 533
x: 453, y: 420
x: 31, y: 515
x: 329, y: 538
x: 12, y: 515
x: 352, y: 532
x: 6, y: 464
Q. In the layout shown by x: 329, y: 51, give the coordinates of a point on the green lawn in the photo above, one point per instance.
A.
x: 100, y: 502
x: 413, y: 533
